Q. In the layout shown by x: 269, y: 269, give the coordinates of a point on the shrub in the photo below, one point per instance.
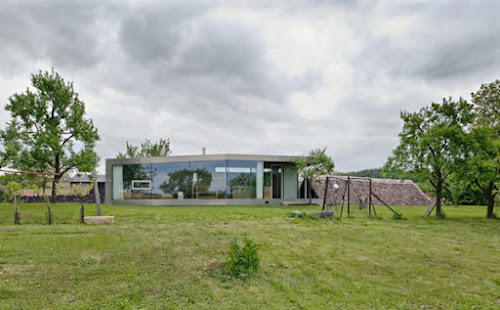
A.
x: 243, y: 260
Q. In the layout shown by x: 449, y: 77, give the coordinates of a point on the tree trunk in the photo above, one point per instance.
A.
x: 53, y: 197
x: 55, y: 181
x: 491, y: 205
x: 44, y: 186
x: 491, y: 199
x: 439, y: 193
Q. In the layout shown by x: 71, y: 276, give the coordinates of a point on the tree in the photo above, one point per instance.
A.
x: 9, y: 139
x: 81, y: 191
x: 148, y: 149
x: 433, y: 143
x: 487, y: 105
x: 366, y: 173
x: 48, y: 129
x: 317, y: 163
x: 483, y: 167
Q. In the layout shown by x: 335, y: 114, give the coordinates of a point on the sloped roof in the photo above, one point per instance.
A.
x: 392, y: 192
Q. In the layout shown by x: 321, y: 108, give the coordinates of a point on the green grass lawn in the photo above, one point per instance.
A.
x: 167, y: 257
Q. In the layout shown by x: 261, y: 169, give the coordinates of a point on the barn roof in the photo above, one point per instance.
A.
x: 392, y: 192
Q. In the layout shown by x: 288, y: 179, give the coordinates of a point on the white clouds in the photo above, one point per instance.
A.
x: 242, y: 77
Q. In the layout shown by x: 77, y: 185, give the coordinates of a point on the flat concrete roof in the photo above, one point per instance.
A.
x: 211, y: 157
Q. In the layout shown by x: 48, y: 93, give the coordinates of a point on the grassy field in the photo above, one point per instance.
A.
x: 168, y: 257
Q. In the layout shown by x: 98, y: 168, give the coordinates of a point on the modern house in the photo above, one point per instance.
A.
x: 225, y: 179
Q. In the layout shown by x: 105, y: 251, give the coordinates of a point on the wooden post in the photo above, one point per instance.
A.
x: 348, y: 195
x: 370, y: 199
x: 82, y: 212
x: 16, y: 213
x: 384, y: 203
x: 96, y: 193
x: 324, y: 194
x: 431, y: 207
x: 49, y: 212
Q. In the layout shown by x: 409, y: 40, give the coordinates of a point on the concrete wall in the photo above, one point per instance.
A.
x: 290, y: 183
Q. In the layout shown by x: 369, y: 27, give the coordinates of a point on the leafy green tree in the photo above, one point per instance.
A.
x: 13, y: 189
x: 433, y: 144
x: 367, y: 173
x: 48, y: 129
x: 487, y: 105
x: 316, y: 164
x: 147, y: 149
x: 9, y: 145
x: 81, y: 191
x: 483, y: 166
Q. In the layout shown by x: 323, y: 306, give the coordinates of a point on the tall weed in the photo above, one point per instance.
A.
x: 243, y: 260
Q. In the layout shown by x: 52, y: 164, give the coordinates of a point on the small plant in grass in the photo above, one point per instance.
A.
x: 296, y: 214
x: 243, y: 260
x: 41, y: 193
x: 398, y: 216
x: 304, y: 215
x: 81, y: 191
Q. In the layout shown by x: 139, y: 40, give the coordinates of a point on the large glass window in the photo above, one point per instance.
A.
x: 171, y: 181
x: 136, y: 174
x: 209, y: 179
x: 192, y: 180
x: 241, y: 179
x: 117, y: 182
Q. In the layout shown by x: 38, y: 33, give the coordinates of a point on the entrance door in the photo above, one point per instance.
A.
x: 277, y: 184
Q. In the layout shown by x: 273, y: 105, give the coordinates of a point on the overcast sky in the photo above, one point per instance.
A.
x: 253, y: 77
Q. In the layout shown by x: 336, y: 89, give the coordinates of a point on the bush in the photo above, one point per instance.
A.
x: 243, y: 260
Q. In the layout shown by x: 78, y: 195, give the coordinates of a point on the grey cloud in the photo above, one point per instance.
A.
x: 216, y: 55
x: 66, y: 33
x: 449, y: 40
x: 152, y: 34
x: 192, y: 72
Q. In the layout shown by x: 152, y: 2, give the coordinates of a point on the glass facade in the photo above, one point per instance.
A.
x: 235, y: 179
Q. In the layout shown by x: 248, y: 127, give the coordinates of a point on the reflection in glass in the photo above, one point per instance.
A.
x: 166, y: 177
x: 209, y: 182
x: 267, y: 183
x: 241, y: 179
x: 117, y: 182
x: 132, y: 173
x: 192, y: 180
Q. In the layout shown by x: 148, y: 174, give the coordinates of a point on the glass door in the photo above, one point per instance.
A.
x: 277, y: 184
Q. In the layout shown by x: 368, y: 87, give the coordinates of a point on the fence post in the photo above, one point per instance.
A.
x: 16, y: 213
